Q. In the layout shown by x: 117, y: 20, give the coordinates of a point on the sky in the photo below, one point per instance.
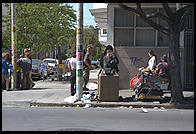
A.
x: 88, y: 18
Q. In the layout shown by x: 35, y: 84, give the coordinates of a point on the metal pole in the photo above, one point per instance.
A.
x: 13, y: 45
x: 79, y: 52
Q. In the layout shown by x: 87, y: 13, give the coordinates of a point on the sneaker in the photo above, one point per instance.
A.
x: 9, y: 89
x: 33, y: 85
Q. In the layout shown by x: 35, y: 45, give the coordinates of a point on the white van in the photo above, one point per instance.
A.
x: 51, y: 62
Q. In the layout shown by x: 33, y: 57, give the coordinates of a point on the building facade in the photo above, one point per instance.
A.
x: 133, y: 38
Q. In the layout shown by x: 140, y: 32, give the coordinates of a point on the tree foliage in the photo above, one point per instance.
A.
x: 90, y: 36
x: 41, y: 26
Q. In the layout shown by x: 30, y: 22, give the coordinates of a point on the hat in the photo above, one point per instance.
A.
x: 164, y: 56
x: 4, y: 55
x: 90, y: 45
x: 26, y: 50
x: 109, y: 47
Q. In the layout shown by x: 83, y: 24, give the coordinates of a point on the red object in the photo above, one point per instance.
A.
x: 133, y: 81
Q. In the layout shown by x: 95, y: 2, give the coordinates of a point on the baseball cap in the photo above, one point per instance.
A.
x: 26, y: 50
x: 90, y: 45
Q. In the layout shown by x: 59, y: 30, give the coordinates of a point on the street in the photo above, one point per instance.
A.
x: 17, y: 114
x: 96, y: 119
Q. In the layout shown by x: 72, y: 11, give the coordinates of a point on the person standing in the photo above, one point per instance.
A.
x: 18, y: 74
x: 108, y: 47
x: 25, y: 64
x: 43, y: 69
x: 110, y: 63
x: 72, y: 68
x: 87, y: 65
x: 5, y: 74
x: 32, y: 84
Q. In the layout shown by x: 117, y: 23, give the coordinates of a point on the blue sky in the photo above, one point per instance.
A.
x: 88, y: 18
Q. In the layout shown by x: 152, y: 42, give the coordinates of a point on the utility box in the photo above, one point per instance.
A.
x: 108, y: 87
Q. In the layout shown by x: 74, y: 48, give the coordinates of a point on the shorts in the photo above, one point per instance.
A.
x: 5, y: 77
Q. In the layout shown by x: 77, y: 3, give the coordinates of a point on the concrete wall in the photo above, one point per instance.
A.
x: 133, y: 58
x: 110, y: 25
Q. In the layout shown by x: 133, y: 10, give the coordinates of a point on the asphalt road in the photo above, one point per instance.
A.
x: 96, y: 119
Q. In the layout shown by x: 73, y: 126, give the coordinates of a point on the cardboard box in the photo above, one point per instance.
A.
x: 108, y: 87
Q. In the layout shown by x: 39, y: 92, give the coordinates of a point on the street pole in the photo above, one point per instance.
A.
x: 13, y: 45
x: 79, y: 52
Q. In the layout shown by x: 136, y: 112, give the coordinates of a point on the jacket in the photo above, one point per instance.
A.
x: 5, y: 67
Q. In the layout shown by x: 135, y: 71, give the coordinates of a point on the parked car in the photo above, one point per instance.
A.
x: 36, y: 72
x: 52, y: 64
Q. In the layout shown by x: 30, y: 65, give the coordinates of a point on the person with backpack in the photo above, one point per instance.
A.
x: 87, y: 65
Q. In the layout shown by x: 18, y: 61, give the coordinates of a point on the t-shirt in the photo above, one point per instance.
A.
x: 73, y: 62
x: 25, y: 64
x: 87, y: 57
x: 43, y: 67
x: 152, y: 63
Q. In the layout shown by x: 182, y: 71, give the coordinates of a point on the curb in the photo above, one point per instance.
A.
x: 109, y: 105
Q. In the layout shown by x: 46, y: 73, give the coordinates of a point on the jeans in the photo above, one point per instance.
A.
x: 73, y: 82
x: 26, y: 83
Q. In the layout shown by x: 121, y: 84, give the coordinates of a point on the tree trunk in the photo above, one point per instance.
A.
x: 59, y: 55
x: 174, y: 66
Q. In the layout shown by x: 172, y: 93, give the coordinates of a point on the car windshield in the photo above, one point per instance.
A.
x: 50, y: 61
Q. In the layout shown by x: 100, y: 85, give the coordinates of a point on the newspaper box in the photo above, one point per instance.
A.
x: 108, y: 87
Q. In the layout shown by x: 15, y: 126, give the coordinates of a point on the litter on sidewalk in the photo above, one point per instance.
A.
x: 92, y: 86
x: 71, y: 99
x: 144, y: 110
x: 87, y: 105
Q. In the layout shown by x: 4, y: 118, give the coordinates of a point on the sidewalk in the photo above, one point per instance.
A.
x: 52, y: 96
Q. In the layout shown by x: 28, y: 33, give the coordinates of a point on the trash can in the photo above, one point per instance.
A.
x: 108, y: 87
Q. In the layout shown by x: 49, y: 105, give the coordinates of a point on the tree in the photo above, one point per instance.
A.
x: 176, y: 23
x: 90, y: 36
x: 41, y: 26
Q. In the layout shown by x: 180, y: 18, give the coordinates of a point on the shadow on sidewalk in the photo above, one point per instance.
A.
x: 131, y: 99
x: 30, y: 89
x: 166, y: 99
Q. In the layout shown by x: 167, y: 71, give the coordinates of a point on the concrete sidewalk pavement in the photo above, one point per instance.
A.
x: 49, y: 95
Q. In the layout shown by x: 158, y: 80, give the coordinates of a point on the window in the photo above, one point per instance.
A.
x: 123, y: 37
x: 123, y: 18
x: 131, y: 30
x: 104, y: 31
x: 163, y: 40
x: 161, y: 21
x: 140, y: 22
x: 145, y: 37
